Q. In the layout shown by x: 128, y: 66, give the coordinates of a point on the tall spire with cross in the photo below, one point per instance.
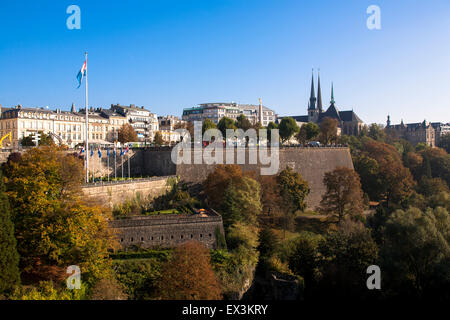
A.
x: 312, y: 98
x: 332, y: 94
x: 319, y: 95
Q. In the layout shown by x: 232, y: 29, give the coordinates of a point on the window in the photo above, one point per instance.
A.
x: 131, y: 239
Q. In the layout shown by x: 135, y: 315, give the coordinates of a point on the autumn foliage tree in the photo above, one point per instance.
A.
x: 328, y: 130
x: 344, y: 195
x: 158, y: 139
x: 127, y: 133
x: 188, y: 275
x: 391, y: 180
x: 53, y: 225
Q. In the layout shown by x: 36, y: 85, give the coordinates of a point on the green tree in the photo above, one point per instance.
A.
x: 9, y: 257
x: 288, y: 127
x: 344, y: 195
x: 27, y: 142
x: 293, y: 191
x: 346, y: 253
x: 376, y: 132
x: 208, y: 124
x: 416, y: 252
x: 243, y: 123
x: 304, y: 261
x: 308, y: 132
x: 270, y: 127
x: 224, y: 124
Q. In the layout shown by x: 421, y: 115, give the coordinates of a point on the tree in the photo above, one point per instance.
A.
x: 208, y: 124
x: 53, y: 224
x: 288, y: 127
x: 304, y: 261
x: 328, y: 130
x: 188, y: 275
x: 45, y: 139
x: 243, y: 123
x: 218, y: 181
x: 344, y: 195
x: 346, y: 253
x: 224, y: 124
x: 293, y: 191
x: 270, y: 196
x: 9, y: 257
x: 271, y: 126
x: 158, y: 139
x: 241, y: 202
x: 108, y: 289
x: 308, y: 132
x: 395, y: 182
x: 127, y: 134
x: 377, y: 133
x: 27, y: 142
x: 416, y: 252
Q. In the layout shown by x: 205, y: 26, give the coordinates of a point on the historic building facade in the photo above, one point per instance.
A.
x: 216, y: 111
x: 144, y: 122
x: 348, y: 121
x: 421, y: 132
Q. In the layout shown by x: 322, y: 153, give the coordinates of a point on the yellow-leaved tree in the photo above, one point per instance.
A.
x: 54, y: 226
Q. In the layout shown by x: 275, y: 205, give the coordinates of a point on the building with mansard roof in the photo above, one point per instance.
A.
x: 348, y: 121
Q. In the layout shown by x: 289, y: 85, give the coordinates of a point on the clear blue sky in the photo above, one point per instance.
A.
x: 168, y: 55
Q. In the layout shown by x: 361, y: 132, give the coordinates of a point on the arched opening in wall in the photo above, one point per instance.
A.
x: 121, y: 239
x: 201, y: 235
x: 162, y: 238
x: 192, y: 236
x: 131, y: 239
x: 181, y: 237
x: 210, y: 235
x: 152, y: 238
x: 171, y: 237
x: 142, y: 239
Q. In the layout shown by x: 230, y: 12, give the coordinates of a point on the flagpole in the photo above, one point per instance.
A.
x: 87, y: 125
x: 108, y: 163
x: 115, y: 165
x: 128, y: 155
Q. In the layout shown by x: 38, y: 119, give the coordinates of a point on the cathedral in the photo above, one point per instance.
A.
x: 349, y: 123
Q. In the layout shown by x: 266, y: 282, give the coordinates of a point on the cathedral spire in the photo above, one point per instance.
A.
x: 312, y: 98
x: 332, y: 94
x: 319, y: 94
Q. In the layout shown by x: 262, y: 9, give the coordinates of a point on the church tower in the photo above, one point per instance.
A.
x: 313, y: 112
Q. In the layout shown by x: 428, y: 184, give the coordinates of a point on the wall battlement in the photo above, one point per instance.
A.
x: 168, y: 231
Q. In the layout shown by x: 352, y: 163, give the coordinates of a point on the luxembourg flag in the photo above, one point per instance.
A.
x: 82, y: 73
x: 126, y: 150
x: 82, y: 151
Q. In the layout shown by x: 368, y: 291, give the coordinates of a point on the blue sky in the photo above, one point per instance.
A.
x: 168, y: 55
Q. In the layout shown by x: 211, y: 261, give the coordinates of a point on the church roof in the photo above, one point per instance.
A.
x: 349, y: 116
x: 332, y: 112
